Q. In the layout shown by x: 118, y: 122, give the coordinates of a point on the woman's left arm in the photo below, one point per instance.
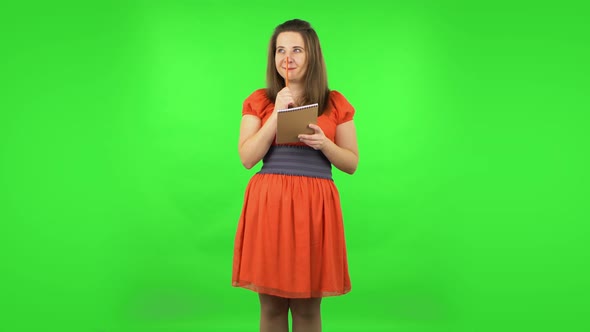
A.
x: 343, y: 153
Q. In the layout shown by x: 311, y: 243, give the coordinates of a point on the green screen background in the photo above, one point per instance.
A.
x: 121, y: 185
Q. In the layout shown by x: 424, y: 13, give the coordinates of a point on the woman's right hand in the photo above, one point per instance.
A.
x: 284, y: 99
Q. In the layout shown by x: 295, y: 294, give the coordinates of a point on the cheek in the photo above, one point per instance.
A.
x: 301, y: 60
x: 303, y: 65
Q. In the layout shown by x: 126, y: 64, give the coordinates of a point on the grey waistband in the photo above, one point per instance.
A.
x: 296, y: 160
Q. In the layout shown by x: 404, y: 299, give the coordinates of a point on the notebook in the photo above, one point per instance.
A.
x: 292, y: 122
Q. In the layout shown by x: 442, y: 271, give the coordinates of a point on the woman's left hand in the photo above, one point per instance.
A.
x: 317, y: 140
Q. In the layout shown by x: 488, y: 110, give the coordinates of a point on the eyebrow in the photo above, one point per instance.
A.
x: 301, y: 47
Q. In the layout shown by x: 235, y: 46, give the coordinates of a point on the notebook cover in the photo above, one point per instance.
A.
x: 294, y: 121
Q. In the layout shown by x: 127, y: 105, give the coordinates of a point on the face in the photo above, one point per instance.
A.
x: 290, y: 44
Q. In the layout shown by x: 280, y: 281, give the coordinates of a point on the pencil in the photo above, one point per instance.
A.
x: 287, y: 72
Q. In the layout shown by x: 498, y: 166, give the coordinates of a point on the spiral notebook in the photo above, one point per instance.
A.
x: 292, y: 122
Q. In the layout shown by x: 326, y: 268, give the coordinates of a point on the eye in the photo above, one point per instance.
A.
x: 280, y: 50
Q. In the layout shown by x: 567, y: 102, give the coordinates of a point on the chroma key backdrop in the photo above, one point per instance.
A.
x: 121, y: 184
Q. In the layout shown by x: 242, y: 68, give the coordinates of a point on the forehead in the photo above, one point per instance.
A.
x: 290, y: 39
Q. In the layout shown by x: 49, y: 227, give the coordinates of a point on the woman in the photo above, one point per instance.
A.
x: 290, y: 245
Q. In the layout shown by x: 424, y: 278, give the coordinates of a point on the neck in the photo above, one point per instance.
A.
x: 296, y: 90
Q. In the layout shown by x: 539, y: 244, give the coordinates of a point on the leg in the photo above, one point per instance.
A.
x: 274, y: 313
x: 306, y: 314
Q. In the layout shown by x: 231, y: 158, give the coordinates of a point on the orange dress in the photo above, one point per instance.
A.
x: 290, y: 236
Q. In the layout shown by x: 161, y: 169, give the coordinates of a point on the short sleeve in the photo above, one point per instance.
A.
x: 344, y: 111
x: 256, y: 103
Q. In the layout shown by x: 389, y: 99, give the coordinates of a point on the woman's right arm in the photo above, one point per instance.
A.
x: 254, y: 139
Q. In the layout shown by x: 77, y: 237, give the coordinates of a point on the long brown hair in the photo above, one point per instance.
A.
x: 316, y: 79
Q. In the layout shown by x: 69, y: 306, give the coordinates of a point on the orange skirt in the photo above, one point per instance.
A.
x: 290, y: 238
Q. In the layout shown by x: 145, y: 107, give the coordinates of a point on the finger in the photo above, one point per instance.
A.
x: 317, y: 129
x: 308, y: 137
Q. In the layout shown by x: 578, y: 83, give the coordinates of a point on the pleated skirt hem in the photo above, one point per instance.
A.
x: 286, y: 294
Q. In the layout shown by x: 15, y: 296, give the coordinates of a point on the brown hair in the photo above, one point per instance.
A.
x: 316, y: 79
